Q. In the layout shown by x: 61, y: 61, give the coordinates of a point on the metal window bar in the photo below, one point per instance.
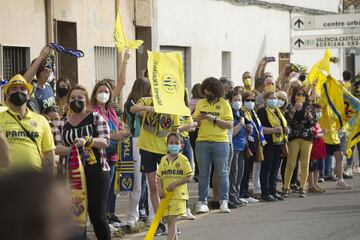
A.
x: 14, y: 60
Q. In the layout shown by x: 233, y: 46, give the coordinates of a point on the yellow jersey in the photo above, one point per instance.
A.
x: 155, y: 129
x: 23, y: 151
x: 184, y: 120
x: 172, y: 171
x: 208, y: 131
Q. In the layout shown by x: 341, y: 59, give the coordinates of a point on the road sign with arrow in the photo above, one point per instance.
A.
x: 326, y: 41
x: 334, y: 21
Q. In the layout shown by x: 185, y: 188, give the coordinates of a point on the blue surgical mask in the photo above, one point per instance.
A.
x: 236, y: 105
x: 249, y: 105
x: 173, y: 148
x: 271, y: 103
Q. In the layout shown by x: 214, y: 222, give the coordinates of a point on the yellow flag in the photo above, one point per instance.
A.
x: 120, y: 39
x: 315, y: 72
x: 167, y: 82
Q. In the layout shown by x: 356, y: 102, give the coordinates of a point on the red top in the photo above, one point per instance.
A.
x: 318, y: 150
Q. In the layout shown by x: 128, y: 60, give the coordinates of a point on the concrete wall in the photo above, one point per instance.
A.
x: 325, y: 5
x: 210, y: 27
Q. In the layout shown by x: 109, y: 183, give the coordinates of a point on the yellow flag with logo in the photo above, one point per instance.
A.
x: 315, y: 76
x: 167, y: 82
x: 120, y: 39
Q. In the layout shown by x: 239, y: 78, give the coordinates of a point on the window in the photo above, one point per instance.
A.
x: 14, y: 59
x: 186, y: 54
x: 226, y: 64
x: 105, y: 63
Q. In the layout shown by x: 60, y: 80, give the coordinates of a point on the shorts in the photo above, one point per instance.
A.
x: 149, y: 161
x: 316, y: 165
x: 175, y: 208
x: 331, y: 148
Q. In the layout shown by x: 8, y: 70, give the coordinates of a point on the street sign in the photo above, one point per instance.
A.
x: 326, y: 41
x: 334, y: 21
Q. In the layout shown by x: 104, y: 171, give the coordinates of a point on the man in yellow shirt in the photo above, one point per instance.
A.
x: 27, y: 133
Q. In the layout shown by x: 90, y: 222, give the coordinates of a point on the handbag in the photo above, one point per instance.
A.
x: 248, y: 153
x: 259, y: 156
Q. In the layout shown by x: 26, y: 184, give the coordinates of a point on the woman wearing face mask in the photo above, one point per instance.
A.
x: 239, y: 142
x: 301, y: 122
x: 254, y: 138
x: 101, y: 102
x: 85, y: 129
x: 63, y: 87
x: 275, y: 131
x: 214, y: 117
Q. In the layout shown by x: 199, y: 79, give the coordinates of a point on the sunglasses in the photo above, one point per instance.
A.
x: 249, y: 100
x: 301, y: 94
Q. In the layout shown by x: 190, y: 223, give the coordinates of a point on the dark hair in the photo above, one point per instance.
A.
x: 40, y: 69
x: 66, y: 81
x: 174, y: 134
x: 230, y: 95
x: 96, y: 87
x: 85, y: 93
x: 247, y: 94
x: 268, y: 94
x: 317, y: 106
x: 295, y: 91
x: 109, y: 81
x: 141, y: 88
x: 214, y: 86
x: 196, y: 91
x: 347, y: 75
x: 259, y: 82
x: 50, y: 109
x: 25, y: 192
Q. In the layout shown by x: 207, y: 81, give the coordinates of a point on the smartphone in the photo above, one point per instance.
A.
x: 269, y: 59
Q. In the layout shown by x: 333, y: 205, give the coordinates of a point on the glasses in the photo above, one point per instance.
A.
x: 301, y: 94
x: 249, y: 100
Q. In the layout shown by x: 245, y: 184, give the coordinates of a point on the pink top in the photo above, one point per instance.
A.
x: 318, y: 149
x: 109, y: 114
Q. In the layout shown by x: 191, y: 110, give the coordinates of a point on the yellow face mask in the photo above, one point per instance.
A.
x: 269, y: 87
x: 248, y: 82
x: 299, y: 99
x: 347, y: 85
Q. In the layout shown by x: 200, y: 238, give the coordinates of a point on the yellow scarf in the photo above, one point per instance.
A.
x: 277, y: 120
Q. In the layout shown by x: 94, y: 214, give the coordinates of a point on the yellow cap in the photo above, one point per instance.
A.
x: 18, y: 80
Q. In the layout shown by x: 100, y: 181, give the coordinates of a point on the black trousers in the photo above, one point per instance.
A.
x: 248, y: 168
x: 97, y: 183
x: 269, y: 169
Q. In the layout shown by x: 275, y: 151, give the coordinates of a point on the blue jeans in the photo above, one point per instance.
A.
x: 328, y: 166
x: 111, y: 200
x: 187, y: 150
x: 216, y: 153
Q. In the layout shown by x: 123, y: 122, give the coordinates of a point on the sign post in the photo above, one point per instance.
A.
x: 334, y: 21
x: 326, y: 41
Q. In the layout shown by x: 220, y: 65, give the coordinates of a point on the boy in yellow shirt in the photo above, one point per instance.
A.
x: 174, y: 173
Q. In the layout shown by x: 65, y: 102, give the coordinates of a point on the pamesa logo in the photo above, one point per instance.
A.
x: 169, y: 83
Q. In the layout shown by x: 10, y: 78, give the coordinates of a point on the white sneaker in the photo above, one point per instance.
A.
x: 224, y: 207
x: 243, y: 200
x: 348, y: 171
x: 201, y: 207
x: 189, y: 215
x: 131, y: 223
x: 112, y: 228
x: 356, y: 170
x: 251, y: 200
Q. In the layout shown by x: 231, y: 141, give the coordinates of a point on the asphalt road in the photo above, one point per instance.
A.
x: 333, y: 215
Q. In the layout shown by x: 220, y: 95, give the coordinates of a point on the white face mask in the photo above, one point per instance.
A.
x: 280, y: 103
x: 102, y: 97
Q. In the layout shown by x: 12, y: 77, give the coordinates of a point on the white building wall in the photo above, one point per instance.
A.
x: 325, y: 5
x: 210, y: 27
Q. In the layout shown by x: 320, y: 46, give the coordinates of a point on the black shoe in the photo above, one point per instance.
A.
x: 330, y: 178
x: 161, y: 229
x: 113, y: 219
x: 294, y: 188
x: 238, y: 203
x: 214, y: 205
x: 345, y: 176
x: 232, y: 205
x: 268, y: 198
x: 278, y: 197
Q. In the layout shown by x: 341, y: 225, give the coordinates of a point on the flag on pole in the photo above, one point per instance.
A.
x: 120, y: 39
x: 167, y: 82
x: 315, y: 77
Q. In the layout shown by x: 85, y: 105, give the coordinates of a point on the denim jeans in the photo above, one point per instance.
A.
x: 111, y: 199
x: 213, y: 153
x: 236, y: 175
x: 187, y: 150
x: 328, y: 171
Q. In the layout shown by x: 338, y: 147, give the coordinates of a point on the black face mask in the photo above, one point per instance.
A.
x: 63, y: 92
x: 77, y: 106
x: 18, y: 98
x: 210, y: 98
x: 302, y: 77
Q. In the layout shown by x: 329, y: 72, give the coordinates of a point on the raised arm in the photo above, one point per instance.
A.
x: 120, y: 83
x: 31, y: 71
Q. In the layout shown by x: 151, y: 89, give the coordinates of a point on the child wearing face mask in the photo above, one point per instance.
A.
x: 239, y: 133
x: 174, y: 172
x: 318, y: 153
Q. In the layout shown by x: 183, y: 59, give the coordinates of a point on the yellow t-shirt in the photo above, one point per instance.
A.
x: 207, y: 130
x: 155, y: 128
x: 328, y: 122
x: 184, y: 120
x: 23, y: 150
x: 172, y: 171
